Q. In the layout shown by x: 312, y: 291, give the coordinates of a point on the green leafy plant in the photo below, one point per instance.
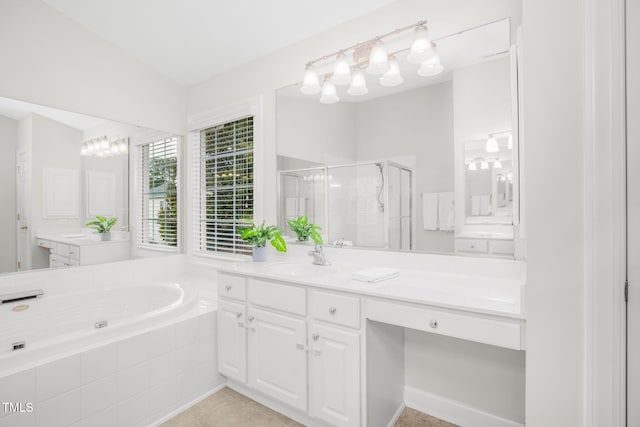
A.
x: 258, y: 235
x: 304, y: 229
x: 102, y: 224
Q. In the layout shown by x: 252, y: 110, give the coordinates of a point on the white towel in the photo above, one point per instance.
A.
x: 374, y: 274
x: 446, y: 211
x: 430, y: 211
x: 485, y: 204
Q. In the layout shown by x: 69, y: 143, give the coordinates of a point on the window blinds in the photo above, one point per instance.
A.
x: 157, y: 193
x: 224, y: 184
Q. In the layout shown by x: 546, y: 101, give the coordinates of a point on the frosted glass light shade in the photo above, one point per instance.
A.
x: 497, y: 164
x: 329, y: 93
x: 310, y: 82
x: 421, y: 49
x: 510, y: 142
x: 358, y: 84
x: 484, y: 165
x: 431, y: 67
x: 392, y: 77
x: 473, y: 166
x: 378, y: 60
x: 341, y: 71
x: 492, y: 145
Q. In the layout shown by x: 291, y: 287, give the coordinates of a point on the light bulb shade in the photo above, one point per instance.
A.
x: 473, y: 166
x: 421, y: 48
x: 484, y: 165
x: 492, y: 145
x: 122, y: 146
x: 341, y: 71
x: 392, y: 77
x: 84, y: 150
x: 510, y: 142
x: 329, y: 93
x: 431, y: 67
x: 358, y: 84
x: 104, y: 144
x: 497, y: 164
x: 310, y: 82
x: 378, y: 60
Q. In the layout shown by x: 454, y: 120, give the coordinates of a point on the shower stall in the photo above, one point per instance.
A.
x: 364, y: 204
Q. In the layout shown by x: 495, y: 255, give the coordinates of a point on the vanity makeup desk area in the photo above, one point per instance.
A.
x: 404, y: 176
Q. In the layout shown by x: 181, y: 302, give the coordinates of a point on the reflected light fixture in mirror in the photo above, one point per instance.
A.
x: 105, y: 146
x: 373, y: 56
x: 492, y: 145
x: 497, y: 164
x: 484, y: 165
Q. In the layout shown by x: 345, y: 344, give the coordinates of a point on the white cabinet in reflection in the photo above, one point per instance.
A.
x: 70, y: 252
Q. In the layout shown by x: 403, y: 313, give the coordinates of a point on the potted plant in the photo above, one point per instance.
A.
x: 304, y: 229
x: 258, y: 235
x: 102, y: 226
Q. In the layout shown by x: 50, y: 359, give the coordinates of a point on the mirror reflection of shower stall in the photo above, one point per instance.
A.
x: 365, y: 205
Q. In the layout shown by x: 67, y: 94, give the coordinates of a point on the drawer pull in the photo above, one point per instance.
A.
x: 315, y: 337
x: 332, y: 310
x: 299, y: 346
x: 228, y: 288
x: 251, y: 329
x: 433, y: 324
x: 251, y: 318
x: 473, y: 246
x: 238, y: 315
x: 317, y: 351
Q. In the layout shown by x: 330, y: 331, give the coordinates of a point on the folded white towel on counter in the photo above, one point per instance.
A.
x: 375, y: 274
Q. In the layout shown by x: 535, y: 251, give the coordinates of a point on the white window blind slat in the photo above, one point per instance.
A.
x: 157, y: 193
x: 223, y: 185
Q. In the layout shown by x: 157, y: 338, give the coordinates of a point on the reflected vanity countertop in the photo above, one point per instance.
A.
x: 484, y: 235
x: 81, y: 239
x: 495, y: 296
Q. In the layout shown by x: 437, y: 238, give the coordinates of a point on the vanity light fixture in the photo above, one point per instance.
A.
x: 492, y: 145
x: 104, y: 146
x: 473, y: 166
x: 484, y: 165
x: 510, y: 142
x: 372, y: 56
x: 497, y: 164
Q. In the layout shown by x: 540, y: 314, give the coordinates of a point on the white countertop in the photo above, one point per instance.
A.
x: 495, y: 296
x: 78, y: 239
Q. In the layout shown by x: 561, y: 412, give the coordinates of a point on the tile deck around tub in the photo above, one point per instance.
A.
x: 228, y: 408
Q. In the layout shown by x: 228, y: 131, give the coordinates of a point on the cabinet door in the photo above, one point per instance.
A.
x: 232, y: 341
x: 278, y: 356
x: 334, y: 375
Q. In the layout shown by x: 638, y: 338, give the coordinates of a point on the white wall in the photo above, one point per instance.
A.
x: 51, y: 60
x: 8, y: 145
x: 414, y: 123
x: 54, y: 145
x: 553, y: 79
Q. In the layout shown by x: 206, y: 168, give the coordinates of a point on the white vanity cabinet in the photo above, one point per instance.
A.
x: 66, y: 252
x: 232, y: 340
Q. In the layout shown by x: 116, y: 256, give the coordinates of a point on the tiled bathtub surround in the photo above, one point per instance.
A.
x: 131, y: 382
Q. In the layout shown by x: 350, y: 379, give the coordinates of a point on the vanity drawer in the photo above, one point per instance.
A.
x: 335, y: 308
x: 471, y: 245
x: 502, y: 333
x: 232, y: 286
x: 290, y: 299
x: 72, y: 252
x: 501, y: 247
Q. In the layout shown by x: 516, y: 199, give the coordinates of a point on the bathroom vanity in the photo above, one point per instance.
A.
x: 331, y: 348
x: 79, y: 249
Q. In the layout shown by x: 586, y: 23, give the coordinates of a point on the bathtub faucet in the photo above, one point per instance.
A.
x: 318, y: 256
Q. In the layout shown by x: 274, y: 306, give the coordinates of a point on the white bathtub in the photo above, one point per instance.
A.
x: 156, y: 355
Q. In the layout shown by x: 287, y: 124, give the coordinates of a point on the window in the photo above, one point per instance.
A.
x: 158, y: 193
x: 225, y: 186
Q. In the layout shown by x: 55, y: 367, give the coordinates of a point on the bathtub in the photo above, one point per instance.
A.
x: 155, y: 356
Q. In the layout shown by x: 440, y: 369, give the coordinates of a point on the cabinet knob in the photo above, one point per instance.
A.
x: 332, y: 310
x: 240, y: 324
x: 251, y: 329
x: 251, y: 318
x: 300, y: 346
x: 238, y: 315
x: 317, y: 351
x: 433, y: 323
x: 228, y: 288
x: 315, y: 337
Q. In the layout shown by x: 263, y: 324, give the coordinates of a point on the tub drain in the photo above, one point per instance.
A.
x: 101, y: 324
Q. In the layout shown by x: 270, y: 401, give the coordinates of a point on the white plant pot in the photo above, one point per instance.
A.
x: 259, y: 253
x: 105, y: 237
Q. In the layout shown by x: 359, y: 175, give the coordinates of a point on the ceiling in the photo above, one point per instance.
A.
x: 190, y: 41
x: 18, y: 110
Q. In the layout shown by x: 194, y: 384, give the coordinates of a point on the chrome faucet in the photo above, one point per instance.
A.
x: 318, y: 256
x: 339, y: 243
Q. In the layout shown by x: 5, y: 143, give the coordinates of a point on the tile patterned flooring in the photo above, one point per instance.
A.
x: 228, y: 408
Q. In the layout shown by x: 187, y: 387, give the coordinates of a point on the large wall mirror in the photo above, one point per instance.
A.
x: 429, y: 165
x: 61, y: 170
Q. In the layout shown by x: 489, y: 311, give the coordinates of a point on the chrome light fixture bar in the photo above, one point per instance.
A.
x: 104, y: 146
x: 372, y: 56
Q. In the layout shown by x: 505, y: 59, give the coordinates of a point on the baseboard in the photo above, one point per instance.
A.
x: 453, y: 412
x: 396, y: 416
x: 188, y: 405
